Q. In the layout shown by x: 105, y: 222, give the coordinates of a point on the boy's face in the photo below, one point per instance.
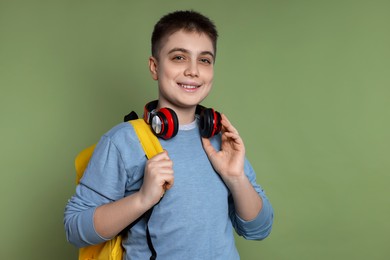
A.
x: 184, y: 69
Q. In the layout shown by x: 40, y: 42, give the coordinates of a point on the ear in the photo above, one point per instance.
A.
x: 153, y: 67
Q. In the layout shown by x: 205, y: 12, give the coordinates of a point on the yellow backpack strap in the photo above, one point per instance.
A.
x: 151, y: 146
x: 149, y: 141
x: 81, y: 161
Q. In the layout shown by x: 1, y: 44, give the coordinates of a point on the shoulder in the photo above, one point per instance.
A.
x: 119, y: 129
x: 120, y: 139
x: 123, y: 132
x: 116, y: 162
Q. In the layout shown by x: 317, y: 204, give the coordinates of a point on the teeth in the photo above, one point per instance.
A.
x: 188, y: 86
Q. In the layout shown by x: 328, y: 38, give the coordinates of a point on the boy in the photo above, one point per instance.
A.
x: 199, y: 187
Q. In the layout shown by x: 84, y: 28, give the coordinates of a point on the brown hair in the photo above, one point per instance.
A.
x: 190, y: 21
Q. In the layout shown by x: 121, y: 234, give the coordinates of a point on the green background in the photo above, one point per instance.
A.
x: 305, y: 82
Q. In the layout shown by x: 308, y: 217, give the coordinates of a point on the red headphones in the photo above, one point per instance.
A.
x: 165, y: 124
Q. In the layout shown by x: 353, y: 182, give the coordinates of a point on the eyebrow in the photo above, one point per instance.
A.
x: 187, y: 51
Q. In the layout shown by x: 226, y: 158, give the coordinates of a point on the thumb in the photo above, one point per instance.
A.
x: 208, y: 147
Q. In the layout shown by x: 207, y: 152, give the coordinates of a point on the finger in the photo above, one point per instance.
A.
x: 228, y: 127
x: 169, y: 180
x: 166, y: 181
x: 234, y: 137
x: 208, y: 147
x: 159, y: 161
x: 161, y: 156
x: 163, y: 164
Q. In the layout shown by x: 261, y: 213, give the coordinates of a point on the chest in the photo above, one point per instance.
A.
x: 195, y: 181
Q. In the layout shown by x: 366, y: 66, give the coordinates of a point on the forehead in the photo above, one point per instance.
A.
x: 192, y: 41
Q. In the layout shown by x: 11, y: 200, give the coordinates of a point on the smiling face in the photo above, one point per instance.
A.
x: 184, y: 69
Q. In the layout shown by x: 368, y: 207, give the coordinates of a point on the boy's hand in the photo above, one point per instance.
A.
x: 158, y: 178
x: 229, y: 161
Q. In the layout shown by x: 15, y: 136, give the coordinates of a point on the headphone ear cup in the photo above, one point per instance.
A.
x: 210, y: 123
x: 205, y: 122
x: 218, y: 123
x: 165, y: 123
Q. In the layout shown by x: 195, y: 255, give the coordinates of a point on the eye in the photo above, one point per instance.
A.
x: 205, y: 60
x: 178, y: 58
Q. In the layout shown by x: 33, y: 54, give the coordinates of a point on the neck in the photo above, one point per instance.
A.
x: 185, y: 116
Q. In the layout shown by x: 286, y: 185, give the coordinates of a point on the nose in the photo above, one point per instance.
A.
x: 192, y: 70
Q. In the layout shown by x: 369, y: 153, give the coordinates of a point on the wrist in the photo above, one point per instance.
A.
x: 236, y: 182
x: 144, y: 201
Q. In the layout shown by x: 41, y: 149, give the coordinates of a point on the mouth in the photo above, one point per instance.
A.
x: 189, y: 87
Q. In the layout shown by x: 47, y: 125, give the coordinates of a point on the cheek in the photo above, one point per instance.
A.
x: 209, y: 75
x: 169, y: 73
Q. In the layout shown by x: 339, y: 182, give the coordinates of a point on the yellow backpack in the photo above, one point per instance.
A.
x: 112, y: 249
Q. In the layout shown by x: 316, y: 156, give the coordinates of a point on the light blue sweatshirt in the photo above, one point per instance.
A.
x: 195, y: 218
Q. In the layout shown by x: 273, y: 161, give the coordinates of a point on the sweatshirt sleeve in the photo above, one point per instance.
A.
x: 260, y: 227
x: 104, y: 181
x: 78, y: 219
